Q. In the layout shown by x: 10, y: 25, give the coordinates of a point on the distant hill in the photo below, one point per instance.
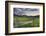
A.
x: 26, y: 16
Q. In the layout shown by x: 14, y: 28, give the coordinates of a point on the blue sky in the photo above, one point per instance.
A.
x: 26, y: 11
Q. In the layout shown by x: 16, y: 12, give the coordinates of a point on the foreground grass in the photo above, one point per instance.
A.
x: 17, y: 21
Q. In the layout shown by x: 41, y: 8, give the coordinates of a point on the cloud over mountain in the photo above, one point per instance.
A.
x: 26, y: 11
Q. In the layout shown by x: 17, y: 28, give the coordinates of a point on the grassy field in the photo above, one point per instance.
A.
x: 20, y: 22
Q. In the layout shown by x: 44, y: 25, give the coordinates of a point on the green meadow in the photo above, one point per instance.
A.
x: 20, y: 22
